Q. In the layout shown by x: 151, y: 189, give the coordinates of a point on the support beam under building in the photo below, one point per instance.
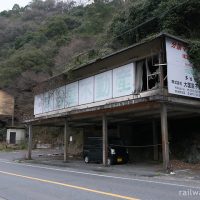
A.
x: 30, y: 136
x: 164, y: 132
x: 155, y: 141
x: 105, y: 140
x: 66, y: 129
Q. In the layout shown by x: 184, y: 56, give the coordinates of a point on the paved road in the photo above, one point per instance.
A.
x: 21, y: 181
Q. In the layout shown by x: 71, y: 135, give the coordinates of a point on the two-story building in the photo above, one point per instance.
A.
x: 137, y: 89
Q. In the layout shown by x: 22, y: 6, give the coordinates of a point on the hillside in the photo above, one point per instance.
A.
x: 47, y: 37
x: 43, y: 39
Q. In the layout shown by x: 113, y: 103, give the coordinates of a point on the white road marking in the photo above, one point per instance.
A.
x: 99, y: 175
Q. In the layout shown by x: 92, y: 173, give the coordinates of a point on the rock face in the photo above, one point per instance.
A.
x: 192, y: 154
x: 189, y: 150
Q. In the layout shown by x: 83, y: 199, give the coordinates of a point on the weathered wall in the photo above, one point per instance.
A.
x: 6, y: 104
x: 75, y: 147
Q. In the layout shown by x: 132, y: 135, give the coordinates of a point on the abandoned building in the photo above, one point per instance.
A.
x: 146, y: 94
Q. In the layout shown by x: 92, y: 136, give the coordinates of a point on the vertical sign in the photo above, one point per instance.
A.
x: 179, y: 70
x: 124, y: 80
x: 38, y: 104
x: 59, y: 98
x: 71, y: 95
x: 86, y: 90
x: 103, y: 86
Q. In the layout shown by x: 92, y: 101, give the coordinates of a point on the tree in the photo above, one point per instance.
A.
x: 16, y: 8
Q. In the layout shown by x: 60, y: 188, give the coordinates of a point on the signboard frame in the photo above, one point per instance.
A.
x: 180, y: 71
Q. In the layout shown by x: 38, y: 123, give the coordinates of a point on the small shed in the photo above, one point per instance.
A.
x: 15, y: 135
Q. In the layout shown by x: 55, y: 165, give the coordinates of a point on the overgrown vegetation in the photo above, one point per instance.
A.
x: 147, y: 17
x: 33, y: 37
x: 194, y: 55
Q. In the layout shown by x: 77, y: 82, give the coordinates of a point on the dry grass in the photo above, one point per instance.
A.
x: 178, y: 164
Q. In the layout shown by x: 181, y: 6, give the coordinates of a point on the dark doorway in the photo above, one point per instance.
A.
x: 12, y: 137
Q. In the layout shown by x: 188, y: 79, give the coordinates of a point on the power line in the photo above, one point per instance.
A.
x: 148, y: 21
x: 151, y: 19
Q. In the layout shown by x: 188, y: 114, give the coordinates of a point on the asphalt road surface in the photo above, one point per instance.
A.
x: 21, y: 181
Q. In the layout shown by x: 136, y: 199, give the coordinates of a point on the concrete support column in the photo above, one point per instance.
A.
x: 155, y: 141
x: 30, y: 136
x: 164, y: 131
x: 105, y: 140
x: 65, y: 139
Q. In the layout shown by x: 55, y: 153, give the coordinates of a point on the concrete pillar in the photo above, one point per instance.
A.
x: 105, y: 140
x: 164, y: 132
x: 65, y: 139
x: 30, y: 136
x: 155, y: 141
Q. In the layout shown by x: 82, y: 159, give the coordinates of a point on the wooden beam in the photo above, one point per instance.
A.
x: 30, y: 134
x: 105, y: 140
x: 164, y: 132
x: 185, y: 108
x: 183, y: 101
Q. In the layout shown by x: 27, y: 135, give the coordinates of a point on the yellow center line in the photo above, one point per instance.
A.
x: 70, y: 186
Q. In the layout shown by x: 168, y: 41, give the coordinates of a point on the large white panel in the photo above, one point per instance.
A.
x: 59, y: 98
x: 86, y: 90
x: 71, y: 95
x: 48, y: 101
x: 103, y: 86
x: 124, y: 80
x: 51, y: 100
x: 180, y: 70
x: 38, y: 104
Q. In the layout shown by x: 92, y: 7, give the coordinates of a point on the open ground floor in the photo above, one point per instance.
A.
x: 150, y: 130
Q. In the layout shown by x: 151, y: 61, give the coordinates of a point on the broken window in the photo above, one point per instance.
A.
x: 139, y: 76
x: 148, y: 73
x: 153, y: 72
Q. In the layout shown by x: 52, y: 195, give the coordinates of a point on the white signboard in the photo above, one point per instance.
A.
x: 111, y: 84
x: 86, y: 90
x: 103, y: 86
x: 180, y: 70
x: 46, y: 102
x: 71, y: 95
x: 59, y: 98
x: 124, y: 80
x: 38, y: 104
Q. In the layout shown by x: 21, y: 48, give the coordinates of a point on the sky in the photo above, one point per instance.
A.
x: 8, y: 4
